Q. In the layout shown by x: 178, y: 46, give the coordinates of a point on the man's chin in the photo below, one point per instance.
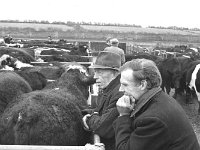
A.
x: 100, y: 86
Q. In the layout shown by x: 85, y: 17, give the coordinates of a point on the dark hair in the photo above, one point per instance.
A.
x: 144, y: 69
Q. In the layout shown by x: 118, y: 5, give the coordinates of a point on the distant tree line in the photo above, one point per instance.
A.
x: 175, y: 28
x: 71, y: 23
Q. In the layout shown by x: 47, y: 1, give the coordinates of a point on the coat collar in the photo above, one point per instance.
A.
x: 105, y: 92
x: 144, y: 99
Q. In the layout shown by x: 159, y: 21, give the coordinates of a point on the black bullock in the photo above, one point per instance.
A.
x: 36, y: 80
x: 11, y: 86
x: 173, y: 72
x: 20, y: 54
x: 156, y: 59
x: 50, y: 116
x: 170, y: 70
x: 184, y: 63
x: 65, y: 58
x: 52, y: 72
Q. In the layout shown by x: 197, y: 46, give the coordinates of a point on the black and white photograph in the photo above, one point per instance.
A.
x: 100, y: 75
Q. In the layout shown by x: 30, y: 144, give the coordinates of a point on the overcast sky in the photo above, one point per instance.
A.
x: 180, y: 13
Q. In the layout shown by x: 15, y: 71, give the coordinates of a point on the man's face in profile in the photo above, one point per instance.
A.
x: 103, y: 77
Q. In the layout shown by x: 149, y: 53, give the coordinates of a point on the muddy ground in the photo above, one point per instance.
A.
x: 192, y: 112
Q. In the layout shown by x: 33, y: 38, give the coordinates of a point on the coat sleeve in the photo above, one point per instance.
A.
x: 149, y: 133
x: 102, y: 124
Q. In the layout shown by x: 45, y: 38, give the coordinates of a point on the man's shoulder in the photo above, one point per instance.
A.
x: 114, y: 49
x: 119, y: 49
x: 107, y: 48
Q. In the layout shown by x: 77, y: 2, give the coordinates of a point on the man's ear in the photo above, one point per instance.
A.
x: 143, y: 85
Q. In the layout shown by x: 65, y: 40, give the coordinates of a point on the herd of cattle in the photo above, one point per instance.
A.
x: 41, y: 105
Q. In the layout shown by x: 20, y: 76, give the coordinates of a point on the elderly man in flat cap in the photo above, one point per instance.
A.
x: 100, y: 119
x: 108, y: 41
x: 114, y: 43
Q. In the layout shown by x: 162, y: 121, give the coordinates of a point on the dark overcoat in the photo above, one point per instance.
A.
x: 159, y: 123
x: 106, y: 112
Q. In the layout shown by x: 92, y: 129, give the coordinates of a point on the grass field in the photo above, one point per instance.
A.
x: 119, y: 29
x: 149, y: 37
x: 138, y: 30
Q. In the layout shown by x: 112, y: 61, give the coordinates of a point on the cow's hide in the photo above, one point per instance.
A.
x: 49, y: 72
x: 36, y: 80
x: 42, y: 118
x: 20, y: 54
x: 193, y: 82
x: 171, y: 73
x: 11, y: 86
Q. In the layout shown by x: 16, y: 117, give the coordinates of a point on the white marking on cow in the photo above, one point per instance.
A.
x: 15, y: 45
x: 186, y: 56
x: 2, y: 41
x: 37, y: 52
x: 79, y: 67
x: 39, y: 60
x: 88, y: 51
x: 4, y: 56
x: 66, y: 50
x: 193, y: 79
x: 194, y: 49
x: 20, y: 64
x: 7, y: 68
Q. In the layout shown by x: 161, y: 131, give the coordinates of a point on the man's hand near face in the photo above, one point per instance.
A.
x: 125, y: 105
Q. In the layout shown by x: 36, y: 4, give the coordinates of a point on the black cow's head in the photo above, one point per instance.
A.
x: 78, y: 76
x: 78, y: 72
